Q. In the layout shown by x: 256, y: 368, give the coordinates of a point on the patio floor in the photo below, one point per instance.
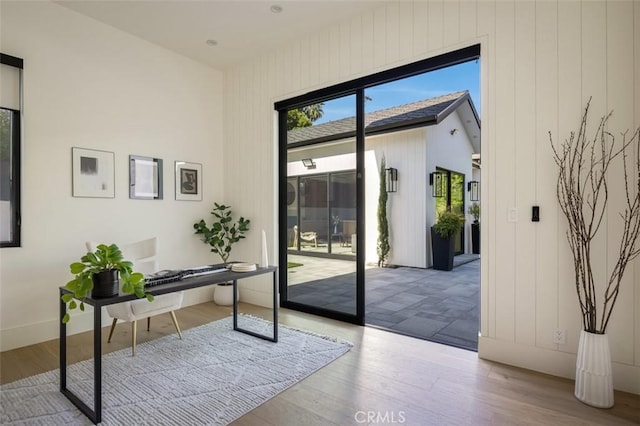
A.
x: 441, y: 306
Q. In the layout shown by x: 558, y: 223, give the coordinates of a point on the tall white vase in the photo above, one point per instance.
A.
x: 594, y: 379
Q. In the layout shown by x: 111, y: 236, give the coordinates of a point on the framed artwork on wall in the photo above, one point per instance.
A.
x: 92, y: 173
x: 145, y: 178
x: 188, y: 181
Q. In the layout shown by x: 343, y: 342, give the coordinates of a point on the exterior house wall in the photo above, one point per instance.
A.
x: 91, y: 86
x: 404, y: 151
x: 451, y: 152
x: 541, y: 61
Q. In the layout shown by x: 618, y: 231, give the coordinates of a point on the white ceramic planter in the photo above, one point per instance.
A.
x: 223, y: 295
x: 594, y: 379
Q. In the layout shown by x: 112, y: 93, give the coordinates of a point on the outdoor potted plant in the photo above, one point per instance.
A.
x: 223, y: 233
x: 442, y: 239
x: 583, y: 188
x: 474, y: 210
x: 99, y: 274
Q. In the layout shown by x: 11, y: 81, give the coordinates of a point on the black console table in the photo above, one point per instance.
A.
x: 95, y: 414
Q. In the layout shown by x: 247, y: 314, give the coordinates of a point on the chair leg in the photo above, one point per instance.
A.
x: 175, y: 323
x: 148, y: 323
x: 134, y: 330
x: 113, y: 327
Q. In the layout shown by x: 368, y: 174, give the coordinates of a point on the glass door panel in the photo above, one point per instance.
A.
x: 321, y: 210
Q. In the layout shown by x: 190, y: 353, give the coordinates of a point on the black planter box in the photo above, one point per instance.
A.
x: 105, y: 284
x: 442, y: 250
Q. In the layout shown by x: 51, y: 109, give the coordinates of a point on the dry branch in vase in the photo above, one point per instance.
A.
x: 583, y: 194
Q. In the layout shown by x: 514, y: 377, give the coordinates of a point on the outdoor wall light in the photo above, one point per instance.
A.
x: 392, y: 179
x: 474, y: 188
x: 309, y: 163
x: 436, y: 181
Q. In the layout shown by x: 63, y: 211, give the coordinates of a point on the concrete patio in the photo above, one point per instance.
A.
x: 441, y: 306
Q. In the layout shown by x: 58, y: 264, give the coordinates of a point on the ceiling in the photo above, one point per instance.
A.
x: 242, y: 29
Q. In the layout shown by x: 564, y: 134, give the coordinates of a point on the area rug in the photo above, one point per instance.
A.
x: 212, y: 377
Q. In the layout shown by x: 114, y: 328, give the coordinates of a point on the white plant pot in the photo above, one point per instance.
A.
x: 223, y: 295
x: 594, y: 378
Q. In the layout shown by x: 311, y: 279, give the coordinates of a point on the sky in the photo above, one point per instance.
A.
x: 464, y: 76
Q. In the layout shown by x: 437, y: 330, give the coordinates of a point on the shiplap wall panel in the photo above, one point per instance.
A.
x: 619, y: 62
x: 505, y: 172
x: 356, y: 45
x: 636, y: 124
x: 451, y: 15
x: 405, y: 30
x: 420, y: 28
x: 569, y: 111
x: 546, y: 84
x: 594, y: 83
x: 468, y: 14
x: 486, y: 22
x: 380, y: 37
x: 392, y: 34
x: 525, y: 155
x: 435, y: 25
x: 572, y: 60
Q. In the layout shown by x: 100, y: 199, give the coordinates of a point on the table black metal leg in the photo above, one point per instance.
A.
x: 94, y: 415
x: 273, y: 338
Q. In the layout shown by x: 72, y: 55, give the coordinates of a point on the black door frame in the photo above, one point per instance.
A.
x: 356, y: 87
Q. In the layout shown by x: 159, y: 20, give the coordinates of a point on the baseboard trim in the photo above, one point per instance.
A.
x: 626, y: 377
x: 31, y: 334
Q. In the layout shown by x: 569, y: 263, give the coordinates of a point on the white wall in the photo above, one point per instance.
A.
x: 540, y: 63
x: 88, y: 85
x: 405, y: 151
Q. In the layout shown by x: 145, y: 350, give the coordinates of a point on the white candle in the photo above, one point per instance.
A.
x: 264, y: 261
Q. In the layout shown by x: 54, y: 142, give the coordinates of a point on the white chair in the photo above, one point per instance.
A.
x: 143, y: 255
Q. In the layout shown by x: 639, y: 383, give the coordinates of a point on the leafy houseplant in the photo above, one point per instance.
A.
x: 107, y: 259
x: 224, y: 232
x: 383, y: 246
x: 442, y: 239
x: 583, y: 194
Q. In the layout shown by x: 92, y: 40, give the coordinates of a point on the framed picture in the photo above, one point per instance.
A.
x: 145, y: 178
x: 188, y: 181
x: 92, y: 173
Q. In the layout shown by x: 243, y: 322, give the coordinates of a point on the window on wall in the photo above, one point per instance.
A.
x: 10, y: 107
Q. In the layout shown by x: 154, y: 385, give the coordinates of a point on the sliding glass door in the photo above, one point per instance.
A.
x: 322, y: 215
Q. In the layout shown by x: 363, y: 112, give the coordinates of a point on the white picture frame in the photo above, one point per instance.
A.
x: 92, y: 173
x: 188, y: 181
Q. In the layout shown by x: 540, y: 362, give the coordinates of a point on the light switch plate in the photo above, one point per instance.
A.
x: 512, y: 214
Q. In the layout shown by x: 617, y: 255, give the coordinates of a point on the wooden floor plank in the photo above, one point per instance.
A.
x: 385, y: 378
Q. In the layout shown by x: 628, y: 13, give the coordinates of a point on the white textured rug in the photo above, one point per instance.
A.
x: 212, y: 377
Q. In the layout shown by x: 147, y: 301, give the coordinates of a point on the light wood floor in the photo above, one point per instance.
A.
x: 385, y: 379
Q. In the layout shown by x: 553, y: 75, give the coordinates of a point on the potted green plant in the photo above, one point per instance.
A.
x: 442, y: 239
x: 223, y: 233
x: 99, y: 274
x: 474, y: 210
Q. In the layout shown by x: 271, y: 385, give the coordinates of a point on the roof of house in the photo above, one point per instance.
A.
x: 417, y: 114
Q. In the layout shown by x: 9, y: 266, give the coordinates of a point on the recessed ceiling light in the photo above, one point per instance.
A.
x: 276, y: 8
x: 211, y: 42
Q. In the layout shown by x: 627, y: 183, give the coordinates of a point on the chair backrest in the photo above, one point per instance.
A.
x: 141, y: 253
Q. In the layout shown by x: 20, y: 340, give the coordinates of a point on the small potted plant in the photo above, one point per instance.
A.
x: 442, y: 239
x: 99, y: 274
x: 221, y: 236
x: 474, y: 210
